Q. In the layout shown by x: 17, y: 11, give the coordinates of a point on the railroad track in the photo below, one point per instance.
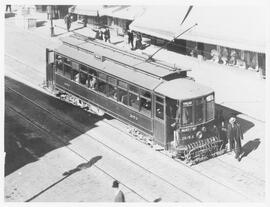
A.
x: 95, y: 139
x: 202, y: 174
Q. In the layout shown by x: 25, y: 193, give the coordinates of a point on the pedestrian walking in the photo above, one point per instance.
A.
x: 131, y: 39
x: 119, y: 195
x: 8, y: 7
x: 67, y: 19
x: 107, y: 35
x: 235, y: 135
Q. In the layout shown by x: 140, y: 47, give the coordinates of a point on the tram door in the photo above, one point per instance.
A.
x: 49, y: 67
x: 159, y: 120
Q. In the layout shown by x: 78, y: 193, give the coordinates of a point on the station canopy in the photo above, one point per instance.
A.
x: 238, y: 26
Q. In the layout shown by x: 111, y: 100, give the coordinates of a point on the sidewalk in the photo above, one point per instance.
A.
x: 230, y: 83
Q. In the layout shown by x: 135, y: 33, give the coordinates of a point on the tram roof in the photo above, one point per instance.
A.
x: 130, y: 75
x: 182, y: 89
x: 148, y: 67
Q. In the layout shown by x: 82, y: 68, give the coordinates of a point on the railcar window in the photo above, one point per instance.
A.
x: 92, y: 81
x: 75, y: 76
x: 75, y: 66
x: 83, y: 79
x: 134, y: 100
x: 122, y: 84
x: 187, y: 113
x: 159, y: 99
x: 146, y: 102
x: 198, y: 111
x: 210, y: 106
x: 84, y: 68
x: 123, y: 96
x: 112, y: 92
x: 67, y: 61
x: 159, y: 111
x: 67, y: 71
x: 59, y: 64
x: 101, y: 86
x: 112, y: 81
x: 133, y: 89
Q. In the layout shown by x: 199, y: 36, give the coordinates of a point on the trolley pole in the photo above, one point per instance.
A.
x: 50, y: 9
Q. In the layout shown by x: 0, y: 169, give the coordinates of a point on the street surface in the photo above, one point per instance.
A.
x: 46, y: 138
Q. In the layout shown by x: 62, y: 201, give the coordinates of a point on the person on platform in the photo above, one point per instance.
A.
x: 234, y: 135
x: 68, y: 19
x: 119, y: 195
x: 131, y: 39
x: 8, y: 7
x: 107, y: 35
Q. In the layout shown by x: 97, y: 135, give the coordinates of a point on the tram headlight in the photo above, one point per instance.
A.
x: 199, y: 134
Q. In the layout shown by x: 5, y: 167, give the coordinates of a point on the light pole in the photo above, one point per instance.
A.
x: 50, y: 9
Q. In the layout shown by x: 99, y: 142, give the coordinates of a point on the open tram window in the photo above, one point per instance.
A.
x: 101, y: 84
x: 122, y: 92
x: 75, y: 72
x: 59, y: 64
x: 146, y: 102
x: 134, y: 100
x: 67, y: 71
x: 199, y: 111
x: 112, y: 88
x: 159, y: 107
x: 187, y: 113
x: 210, y: 107
x: 67, y: 61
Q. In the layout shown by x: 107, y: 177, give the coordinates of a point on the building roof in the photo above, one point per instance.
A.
x: 181, y: 89
x: 133, y: 76
x: 241, y: 27
x: 89, y: 10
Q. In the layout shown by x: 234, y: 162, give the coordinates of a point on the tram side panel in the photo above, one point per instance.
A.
x: 110, y: 106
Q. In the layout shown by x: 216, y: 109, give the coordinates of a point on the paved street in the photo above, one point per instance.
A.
x: 219, y: 179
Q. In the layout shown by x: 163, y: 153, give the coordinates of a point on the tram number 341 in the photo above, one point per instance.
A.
x: 133, y: 117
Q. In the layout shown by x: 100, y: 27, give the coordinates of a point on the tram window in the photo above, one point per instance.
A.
x: 159, y: 99
x: 84, y: 68
x: 112, y: 91
x: 112, y: 81
x: 122, y: 84
x: 59, y: 64
x: 210, y: 105
x: 101, y: 86
x: 146, y: 105
x: 92, y: 81
x: 133, y: 89
x: 75, y: 66
x: 134, y: 100
x: 187, y: 113
x: 123, y: 96
x: 83, y: 78
x: 75, y: 76
x: 67, y: 71
x: 67, y: 61
x: 159, y: 111
x: 102, y: 76
x: 198, y: 111
x: 146, y: 94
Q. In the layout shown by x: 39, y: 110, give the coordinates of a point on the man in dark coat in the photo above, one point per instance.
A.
x: 119, y: 195
x: 130, y: 38
x: 234, y: 134
x: 67, y: 19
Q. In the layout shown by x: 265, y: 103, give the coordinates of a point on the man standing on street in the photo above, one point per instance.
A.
x: 67, y: 19
x: 130, y: 39
x: 119, y: 195
x: 234, y: 134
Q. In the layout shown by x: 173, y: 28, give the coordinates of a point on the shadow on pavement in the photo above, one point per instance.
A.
x: 26, y: 142
x: 40, y: 23
x: 67, y: 174
x: 249, y: 147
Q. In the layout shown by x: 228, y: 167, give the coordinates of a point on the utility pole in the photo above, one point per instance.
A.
x: 50, y: 9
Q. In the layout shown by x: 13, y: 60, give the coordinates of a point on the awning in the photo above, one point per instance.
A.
x: 241, y: 27
x: 160, y: 21
x: 124, y: 12
x: 89, y: 10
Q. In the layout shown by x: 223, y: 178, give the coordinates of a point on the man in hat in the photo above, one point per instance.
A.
x: 234, y: 134
x: 119, y: 195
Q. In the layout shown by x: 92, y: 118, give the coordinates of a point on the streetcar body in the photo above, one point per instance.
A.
x: 155, y: 98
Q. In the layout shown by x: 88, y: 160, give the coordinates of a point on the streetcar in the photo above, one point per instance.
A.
x: 158, y: 101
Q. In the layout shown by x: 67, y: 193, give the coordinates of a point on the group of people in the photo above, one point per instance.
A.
x: 103, y: 34
x: 137, y: 38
